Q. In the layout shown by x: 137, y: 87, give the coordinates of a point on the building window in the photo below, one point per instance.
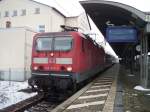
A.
x: 6, y: 14
x: 41, y: 28
x: 14, y: 13
x: 37, y: 10
x: 23, y: 13
x: 8, y: 24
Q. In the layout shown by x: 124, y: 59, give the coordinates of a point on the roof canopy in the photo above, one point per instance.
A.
x: 104, y: 12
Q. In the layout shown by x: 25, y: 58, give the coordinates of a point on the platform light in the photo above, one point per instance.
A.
x: 69, y: 69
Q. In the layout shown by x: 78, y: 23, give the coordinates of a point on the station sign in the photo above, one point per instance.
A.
x: 121, y: 34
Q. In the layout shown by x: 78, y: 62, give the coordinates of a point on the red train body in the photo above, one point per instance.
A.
x: 64, y: 59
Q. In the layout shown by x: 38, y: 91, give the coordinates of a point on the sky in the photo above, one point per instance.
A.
x: 143, y: 5
x: 73, y: 8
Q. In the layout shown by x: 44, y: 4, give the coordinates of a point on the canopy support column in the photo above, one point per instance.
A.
x: 144, y: 62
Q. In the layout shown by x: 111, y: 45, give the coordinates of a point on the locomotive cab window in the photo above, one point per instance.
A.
x: 63, y: 43
x: 55, y: 44
x: 44, y: 44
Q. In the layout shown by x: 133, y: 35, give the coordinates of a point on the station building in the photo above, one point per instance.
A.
x: 39, y: 17
x: 19, y: 21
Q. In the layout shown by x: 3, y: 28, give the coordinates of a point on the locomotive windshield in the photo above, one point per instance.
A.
x: 44, y: 44
x: 55, y: 44
x: 62, y: 43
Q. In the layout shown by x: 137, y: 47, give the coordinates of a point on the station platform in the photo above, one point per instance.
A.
x: 97, y: 96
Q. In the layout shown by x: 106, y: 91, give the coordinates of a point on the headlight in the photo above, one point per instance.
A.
x: 40, y: 60
x: 69, y: 69
x: 35, y: 68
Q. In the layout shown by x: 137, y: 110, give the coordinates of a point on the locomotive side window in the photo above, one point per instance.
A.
x: 62, y: 43
x: 44, y: 44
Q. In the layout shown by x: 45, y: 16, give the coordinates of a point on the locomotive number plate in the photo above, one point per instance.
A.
x: 52, y: 60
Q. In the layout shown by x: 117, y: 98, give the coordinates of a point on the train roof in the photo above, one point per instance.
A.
x: 68, y: 33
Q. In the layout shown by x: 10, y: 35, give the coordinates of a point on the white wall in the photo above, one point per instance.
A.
x: 83, y: 22
x: 72, y: 21
x: 57, y: 20
x: 29, y: 34
x: 80, y: 21
x: 15, y: 53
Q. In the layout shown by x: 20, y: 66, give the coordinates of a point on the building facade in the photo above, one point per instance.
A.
x: 28, y: 13
x: 39, y: 17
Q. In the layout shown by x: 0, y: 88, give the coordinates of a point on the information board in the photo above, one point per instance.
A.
x: 121, y: 34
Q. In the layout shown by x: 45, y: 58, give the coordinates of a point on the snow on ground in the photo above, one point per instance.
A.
x: 141, y: 88
x: 9, y: 93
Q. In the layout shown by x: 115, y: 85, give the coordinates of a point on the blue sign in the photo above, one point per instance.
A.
x: 121, y: 34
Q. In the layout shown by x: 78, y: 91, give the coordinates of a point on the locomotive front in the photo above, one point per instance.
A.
x: 52, y: 61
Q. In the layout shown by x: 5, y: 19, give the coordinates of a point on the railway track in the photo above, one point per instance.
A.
x: 52, y: 100
x: 21, y: 106
x: 43, y: 106
x: 42, y: 102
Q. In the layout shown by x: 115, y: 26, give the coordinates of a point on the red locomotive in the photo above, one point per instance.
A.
x: 64, y: 59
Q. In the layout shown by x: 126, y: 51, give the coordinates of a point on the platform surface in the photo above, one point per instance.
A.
x: 97, y: 96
